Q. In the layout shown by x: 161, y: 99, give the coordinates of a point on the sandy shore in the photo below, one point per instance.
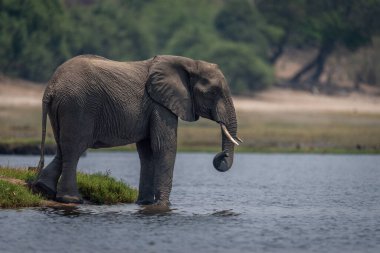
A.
x: 20, y: 93
x: 285, y: 100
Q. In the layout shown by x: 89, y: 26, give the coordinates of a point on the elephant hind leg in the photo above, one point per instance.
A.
x: 46, y: 183
x: 75, y: 135
x: 67, y: 191
x: 146, y: 185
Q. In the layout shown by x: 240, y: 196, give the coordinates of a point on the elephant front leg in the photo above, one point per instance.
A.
x: 163, y: 134
x: 164, y: 165
x: 146, y: 186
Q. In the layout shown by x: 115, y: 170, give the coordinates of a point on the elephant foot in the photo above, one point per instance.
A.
x: 162, y: 203
x: 158, y: 207
x: 44, y: 190
x: 74, y: 199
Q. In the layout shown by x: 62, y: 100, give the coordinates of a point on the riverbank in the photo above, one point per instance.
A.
x: 276, y: 120
x: 98, y: 188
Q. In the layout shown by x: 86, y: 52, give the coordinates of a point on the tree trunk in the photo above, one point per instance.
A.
x: 320, y: 63
x: 279, y: 49
x: 317, y: 63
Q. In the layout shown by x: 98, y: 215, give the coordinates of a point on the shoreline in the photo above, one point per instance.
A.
x: 50, y: 149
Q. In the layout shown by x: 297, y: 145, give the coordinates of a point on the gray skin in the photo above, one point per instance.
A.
x: 93, y: 102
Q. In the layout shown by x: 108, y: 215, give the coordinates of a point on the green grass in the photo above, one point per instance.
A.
x: 16, y: 196
x: 98, y: 188
x: 22, y: 174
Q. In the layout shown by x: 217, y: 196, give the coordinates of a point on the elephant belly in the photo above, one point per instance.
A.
x: 110, y: 142
x: 118, y: 130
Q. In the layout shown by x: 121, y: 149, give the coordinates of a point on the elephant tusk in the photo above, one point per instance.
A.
x: 240, y: 140
x: 225, y: 131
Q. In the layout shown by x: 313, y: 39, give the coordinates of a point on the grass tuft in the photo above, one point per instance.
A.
x: 100, y: 188
x: 15, y: 196
x: 18, y: 173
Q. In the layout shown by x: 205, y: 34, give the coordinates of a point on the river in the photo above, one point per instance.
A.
x: 265, y: 203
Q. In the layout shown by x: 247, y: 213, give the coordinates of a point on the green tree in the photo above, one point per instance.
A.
x: 323, y: 24
x: 107, y: 28
x: 247, y: 56
x: 32, y: 37
x: 164, y: 20
x: 287, y: 18
x: 245, y: 71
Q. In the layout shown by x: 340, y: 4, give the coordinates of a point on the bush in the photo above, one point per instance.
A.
x: 244, y: 70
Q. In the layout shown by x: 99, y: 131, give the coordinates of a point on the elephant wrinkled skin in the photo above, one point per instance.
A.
x: 93, y: 102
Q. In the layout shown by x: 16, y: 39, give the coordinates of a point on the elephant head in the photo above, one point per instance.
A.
x: 192, y: 88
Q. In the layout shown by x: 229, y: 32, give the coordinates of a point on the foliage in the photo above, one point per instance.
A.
x: 241, y: 21
x: 244, y: 60
x: 32, y: 37
x: 326, y: 25
x: 107, y: 30
x: 246, y: 72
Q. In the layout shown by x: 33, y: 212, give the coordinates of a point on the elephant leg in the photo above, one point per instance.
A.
x: 46, y: 183
x: 76, y: 131
x: 163, y: 134
x: 146, y: 185
x: 163, y: 178
x: 67, y: 187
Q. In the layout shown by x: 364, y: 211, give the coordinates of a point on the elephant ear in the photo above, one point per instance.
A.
x: 169, y: 84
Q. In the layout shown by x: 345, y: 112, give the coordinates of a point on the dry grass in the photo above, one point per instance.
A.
x: 291, y: 132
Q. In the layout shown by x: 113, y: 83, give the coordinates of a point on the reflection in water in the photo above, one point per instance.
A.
x: 225, y: 213
x: 123, y: 209
x: 67, y: 211
x: 154, y: 210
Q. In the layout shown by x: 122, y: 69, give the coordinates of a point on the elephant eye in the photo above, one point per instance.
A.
x: 215, y: 90
x: 204, y: 81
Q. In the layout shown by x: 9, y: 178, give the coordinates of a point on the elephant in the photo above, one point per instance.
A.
x: 94, y: 102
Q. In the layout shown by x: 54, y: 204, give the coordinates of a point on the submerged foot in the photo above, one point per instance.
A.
x: 162, y: 203
x: 74, y: 199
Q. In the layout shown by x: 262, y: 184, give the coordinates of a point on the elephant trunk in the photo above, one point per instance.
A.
x: 223, y: 160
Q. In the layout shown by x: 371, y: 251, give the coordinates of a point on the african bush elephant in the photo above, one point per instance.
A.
x: 93, y: 102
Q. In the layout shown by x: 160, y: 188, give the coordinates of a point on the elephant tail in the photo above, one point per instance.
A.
x: 44, y: 118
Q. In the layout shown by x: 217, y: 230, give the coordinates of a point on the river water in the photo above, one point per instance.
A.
x: 265, y: 203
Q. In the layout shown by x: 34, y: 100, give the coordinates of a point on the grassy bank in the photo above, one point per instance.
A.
x: 98, y: 188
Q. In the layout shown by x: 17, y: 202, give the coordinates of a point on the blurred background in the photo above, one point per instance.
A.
x: 305, y: 74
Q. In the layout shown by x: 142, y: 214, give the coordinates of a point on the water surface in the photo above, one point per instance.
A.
x: 265, y: 203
